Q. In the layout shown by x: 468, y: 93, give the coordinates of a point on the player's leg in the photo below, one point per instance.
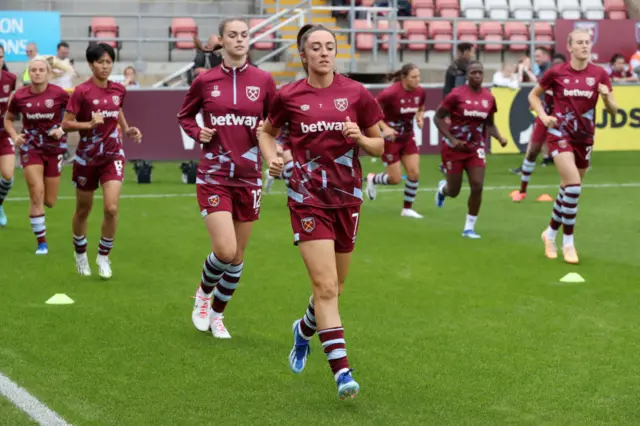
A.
x: 476, y: 182
x: 216, y: 206
x: 111, y: 192
x: 34, y: 176
x: 52, y: 172
x: 84, y: 203
x: 7, y: 167
x: 571, y: 183
x: 411, y: 163
x: 393, y: 173
x: 450, y: 187
x: 528, y: 166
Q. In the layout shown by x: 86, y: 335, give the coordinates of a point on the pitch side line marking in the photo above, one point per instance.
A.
x: 397, y: 188
x: 29, y: 403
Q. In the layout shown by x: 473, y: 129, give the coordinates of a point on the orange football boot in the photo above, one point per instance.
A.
x: 550, y: 249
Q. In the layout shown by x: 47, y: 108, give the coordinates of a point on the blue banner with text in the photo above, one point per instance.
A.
x: 18, y: 29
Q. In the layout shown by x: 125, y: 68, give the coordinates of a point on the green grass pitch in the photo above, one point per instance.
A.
x: 440, y: 330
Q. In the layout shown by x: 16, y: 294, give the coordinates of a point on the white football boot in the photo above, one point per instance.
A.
x: 82, y: 264
x: 104, y: 267
x: 411, y: 213
x: 201, y: 315
x: 218, y: 329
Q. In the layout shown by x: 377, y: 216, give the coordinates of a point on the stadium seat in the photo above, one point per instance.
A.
x: 545, y: 9
x: 615, y: 9
x: 441, y: 31
x: 467, y: 31
x: 514, y: 32
x: 543, y: 34
x: 364, y: 41
x: 263, y: 44
x: 450, y: 13
x: 384, y: 25
x: 424, y: 12
x: 497, y: 9
x: 415, y: 31
x: 446, y: 4
x: 472, y: 9
x: 491, y: 31
x: 106, y: 29
x: 592, y: 9
x: 569, y: 9
x: 421, y: 4
x: 521, y: 9
x: 182, y: 28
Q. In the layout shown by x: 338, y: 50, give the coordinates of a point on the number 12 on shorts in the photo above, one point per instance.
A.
x: 356, y: 217
x: 257, y: 197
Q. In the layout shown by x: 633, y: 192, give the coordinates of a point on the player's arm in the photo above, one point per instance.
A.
x: 11, y: 116
x: 494, y: 132
x: 441, y: 125
x: 133, y: 132
x: 420, y: 116
x: 69, y: 123
x: 370, y: 140
x: 268, y: 147
x: 535, y: 101
x: 605, y: 90
x: 191, y: 106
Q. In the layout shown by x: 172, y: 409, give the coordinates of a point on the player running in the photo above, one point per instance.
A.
x: 538, y: 141
x: 401, y: 103
x: 7, y: 151
x: 576, y: 86
x: 95, y: 111
x: 325, y: 112
x: 472, y: 109
x: 233, y: 97
x: 42, y: 143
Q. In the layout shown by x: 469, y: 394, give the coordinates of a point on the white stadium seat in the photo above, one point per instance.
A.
x: 473, y: 9
x: 545, y: 9
x: 497, y: 9
x: 521, y: 9
x: 592, y: 9
x: 569, y: 9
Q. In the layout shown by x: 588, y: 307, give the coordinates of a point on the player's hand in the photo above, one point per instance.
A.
x: 56, y: 133
x: 135, y: 134
x: 549, y: 121
x: 351, y: 131
x: 96, y: 119
x: 503, y: 142
x: 420, y: 122
x: 20, y: 140
x: 206, y: 134
x: 389, y: 134
x: 259, y: 129
x: 603, y: 89
x: 458, y: 145
x: 275, y: 167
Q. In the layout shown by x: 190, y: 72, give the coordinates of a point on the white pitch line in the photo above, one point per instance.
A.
x: 397, y: 188
x: 29, y: 404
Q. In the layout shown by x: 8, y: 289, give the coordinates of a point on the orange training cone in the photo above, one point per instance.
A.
x: 544, y: 198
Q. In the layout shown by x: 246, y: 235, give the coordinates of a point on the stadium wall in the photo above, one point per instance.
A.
x: 155, y: 111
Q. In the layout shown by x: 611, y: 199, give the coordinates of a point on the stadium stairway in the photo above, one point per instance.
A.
x: 323, y: 17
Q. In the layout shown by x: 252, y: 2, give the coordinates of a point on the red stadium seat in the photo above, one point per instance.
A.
x: 106, y: 29
x: 415, y: 31
x: 514, y: 32
x: 544, y: 34
x: 615, y: 9
x: 263, y: 44
x: 617, y: 14
x: 364, y: 41
x: 423, y: 8
x: 182, y: 28
x: 441, y: 31
x: 491, y: 31
x: 425, y: 12
x: 383, y: 25
x: 446, y: 4
x: 467, y: 31
x: 449, y: 13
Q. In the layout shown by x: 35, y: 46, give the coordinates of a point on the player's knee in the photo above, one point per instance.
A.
x: 476, y: 187
x: 453, y: 191
x: 226, y: 254
x: 111, y: 210
x: 413, y: 175
x: 393, y: 179
x: 49, y: 203
x: 325, y: 289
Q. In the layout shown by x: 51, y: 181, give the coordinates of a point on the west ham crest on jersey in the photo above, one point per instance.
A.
x: 214, y: 200
x: 416, y: 99
x: 341, y: 104
x: 253, y: 93
x: 82, y: 180
x: 6, y: 88
x: 485, y: 103
x: 116, y: 100
x: 308, y: 223
x: 590, y: 81
x: 48, y: 103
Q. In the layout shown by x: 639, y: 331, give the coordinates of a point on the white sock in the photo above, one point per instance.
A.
x: 552, y: 233
x: 567, y: 240
x: 470, y: 224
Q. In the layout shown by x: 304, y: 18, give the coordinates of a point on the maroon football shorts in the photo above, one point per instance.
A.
x: 581, y: 151
x: 242, y: 201
x: 456, y: 162
x: 52, y: 163
x: 314, y: 223
x: 394, y: 151
x: 6, y: 146
x: 539, y: 133
x: 88, y: 177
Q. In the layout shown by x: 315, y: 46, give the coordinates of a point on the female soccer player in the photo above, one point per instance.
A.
x: 233, y: 97
x: 325, y: 112
x: 284, y: 152
x: 7, y: 151
x: 42, y: 143
x: 95, y: 110
x: 471, y: 108
x: 537, y: 143
x: 401, y: 103
x: 576, y: 86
